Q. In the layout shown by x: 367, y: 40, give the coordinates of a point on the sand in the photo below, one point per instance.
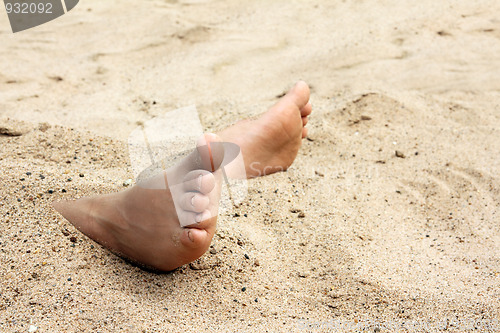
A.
x: 353, y: 237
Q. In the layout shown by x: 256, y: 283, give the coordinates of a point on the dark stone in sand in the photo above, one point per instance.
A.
x: 399, y: 154
x: 196, y: 266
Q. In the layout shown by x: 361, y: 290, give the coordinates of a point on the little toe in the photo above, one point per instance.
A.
x: 194, y: 238
x: 304, y: 132
x: 194, y: 202
x: 199, y: 180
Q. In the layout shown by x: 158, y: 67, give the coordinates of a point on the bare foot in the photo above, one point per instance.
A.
x: 142, y: 223
x: 270, y: 143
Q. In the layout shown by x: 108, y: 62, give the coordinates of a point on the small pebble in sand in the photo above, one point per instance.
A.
x: 8, y: 131
x: 28, y: 173
x: 213, y: 251
x: 195, y: 266
x: 43, y: 126
x: 32, y: 328
x: 244, y: 289
x: 302, y: 215
x: 72, y: 239
x: 256, y: 262
x: 246, y: 256
x: 128, y: 182
x: 82, y: 175
x: 50, y: 191
x: 399, y: 154
x: 42, y: 177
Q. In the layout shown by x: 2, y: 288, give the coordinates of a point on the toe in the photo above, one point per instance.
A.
x: 299, y: 94
x: 194, y: 202
x: 304, y: 121
x: 199, y: 180
x: 304, y: 132
x: 211, y: 151
x: 186, y: 218
x: 195, y: 238
x: 195, y: 235
x: 306, y: 110
x: 204, y: 220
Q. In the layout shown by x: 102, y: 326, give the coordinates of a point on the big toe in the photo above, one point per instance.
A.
x: 211, y: 151
x: 299, y: 94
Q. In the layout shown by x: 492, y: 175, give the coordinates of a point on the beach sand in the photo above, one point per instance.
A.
x: 388, y: 217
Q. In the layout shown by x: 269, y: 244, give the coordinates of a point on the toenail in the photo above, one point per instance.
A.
x: 198, y: 218
x: 192, y: 201
x: 199, y: 182
x: 190, y: 236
